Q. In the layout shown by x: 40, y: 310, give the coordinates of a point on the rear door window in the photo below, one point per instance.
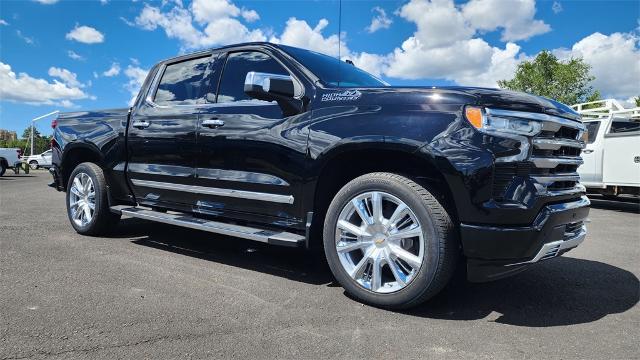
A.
x: 624, y: 126
x: 181, y: 83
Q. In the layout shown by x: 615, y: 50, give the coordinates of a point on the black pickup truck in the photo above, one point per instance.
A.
x: 290, y: 147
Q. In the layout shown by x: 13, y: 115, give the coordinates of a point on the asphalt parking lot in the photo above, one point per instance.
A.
x: 156, y: 291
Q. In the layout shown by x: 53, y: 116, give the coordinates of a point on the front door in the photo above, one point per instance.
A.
x: 162, y: 135
x: 249, y: 158
x: 590, y: 173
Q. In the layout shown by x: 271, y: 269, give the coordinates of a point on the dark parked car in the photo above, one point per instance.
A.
x: 271, y: 143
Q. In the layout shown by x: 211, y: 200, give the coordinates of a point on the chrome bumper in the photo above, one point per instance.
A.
x: 553, y: 249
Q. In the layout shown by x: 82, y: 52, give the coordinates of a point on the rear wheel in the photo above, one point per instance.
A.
x: 3, y: 167
x: 87, y: 201
x: 388, y: 241
x: 33, y: 164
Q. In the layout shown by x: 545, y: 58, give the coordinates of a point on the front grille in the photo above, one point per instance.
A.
x: 551, y: 162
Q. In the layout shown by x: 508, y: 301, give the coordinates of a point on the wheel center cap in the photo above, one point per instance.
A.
x: 379, y: 239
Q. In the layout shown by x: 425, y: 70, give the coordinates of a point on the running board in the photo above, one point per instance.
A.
x: 180, y: 219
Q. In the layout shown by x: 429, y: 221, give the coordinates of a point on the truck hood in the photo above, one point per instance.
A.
x: 448, y: 95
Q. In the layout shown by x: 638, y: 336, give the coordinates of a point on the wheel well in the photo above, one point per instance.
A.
x: 4, y: 162
x: 75, y: 157
x: 347, y: 166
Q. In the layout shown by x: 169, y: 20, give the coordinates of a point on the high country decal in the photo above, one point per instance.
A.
x: 347, y: 95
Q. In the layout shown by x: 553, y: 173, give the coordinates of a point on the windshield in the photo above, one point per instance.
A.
x: 333, y: 72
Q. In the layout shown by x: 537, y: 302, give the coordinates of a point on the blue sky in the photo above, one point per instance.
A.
x: 69, y: 55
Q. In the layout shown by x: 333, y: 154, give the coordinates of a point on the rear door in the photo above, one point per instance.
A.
x: 249, y: 161
x: 622, y: 153
x: 162, y: 134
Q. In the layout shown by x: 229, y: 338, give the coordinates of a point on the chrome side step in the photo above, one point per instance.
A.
x: 181, y: 219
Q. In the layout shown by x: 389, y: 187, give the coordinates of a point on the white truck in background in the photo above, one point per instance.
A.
x: 612, y: 155
x: 10, y: 159
x: 39, y: 160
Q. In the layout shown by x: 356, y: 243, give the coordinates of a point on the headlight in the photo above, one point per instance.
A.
x: 488, y: 123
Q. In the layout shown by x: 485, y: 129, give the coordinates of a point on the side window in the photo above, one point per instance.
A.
x: 181, y: 82
x: 235, y: 71
x: 592, y: 131
x: 624, y: 126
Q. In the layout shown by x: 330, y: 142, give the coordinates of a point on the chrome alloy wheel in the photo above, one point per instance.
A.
x: 82, y: 199
x: 380, y: 242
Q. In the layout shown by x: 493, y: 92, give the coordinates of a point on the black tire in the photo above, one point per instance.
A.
x: 33, y: 165
x: 103, y: 220
x: 441, y: 245
x: 3, y: 168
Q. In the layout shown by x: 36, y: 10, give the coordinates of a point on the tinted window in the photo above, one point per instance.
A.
x: 624, y: 126
x: 332, y: 71
x: 236, y: 69
x: 181, y: 82
x: 592, y: 131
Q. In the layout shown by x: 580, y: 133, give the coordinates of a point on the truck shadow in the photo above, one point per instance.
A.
x: 630, y: 205
x: 557, y: 292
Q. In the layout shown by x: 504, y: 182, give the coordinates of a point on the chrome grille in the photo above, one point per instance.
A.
x: 550, y: 159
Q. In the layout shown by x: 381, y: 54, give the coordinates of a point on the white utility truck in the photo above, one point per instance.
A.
x: 10, y: 159
x: 612, y: 153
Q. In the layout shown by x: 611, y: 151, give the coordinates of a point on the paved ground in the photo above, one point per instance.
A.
x: 156, y: 291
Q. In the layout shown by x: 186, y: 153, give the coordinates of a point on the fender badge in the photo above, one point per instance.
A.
x: 347, y: 95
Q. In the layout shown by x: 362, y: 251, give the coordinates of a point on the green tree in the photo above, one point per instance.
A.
x: 637, y: 100
x: 26, y: 134
x: 565, y: 81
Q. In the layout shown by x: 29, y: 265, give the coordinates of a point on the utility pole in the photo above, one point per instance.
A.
x: 33, y: 124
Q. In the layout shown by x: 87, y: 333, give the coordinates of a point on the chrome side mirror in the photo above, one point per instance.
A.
x: 269, y: 87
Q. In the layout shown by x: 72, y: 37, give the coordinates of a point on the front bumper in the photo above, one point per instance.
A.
x: 494, y: 252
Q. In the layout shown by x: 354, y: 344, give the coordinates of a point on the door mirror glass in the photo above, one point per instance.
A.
x: 268, y: 87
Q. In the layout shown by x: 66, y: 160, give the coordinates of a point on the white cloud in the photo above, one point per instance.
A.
x: 515, y: 17
x: 446, y: 45
x: 47, y: 2
x: 556, y: 7
x: 136, y: 76
x: 371, y: 63
x: 298, y: 33
x: 67, y: 77
x: 113, y: 70
x: 26, y: 89
x: 614, y: 60
x: 104, y: 2
x: 2, y: 22
x: 85, y: 34
x: 27, y: 39
x: 204, y: 24
x: 75, y: 56
x: 250, y: 15
x: 379, y: 21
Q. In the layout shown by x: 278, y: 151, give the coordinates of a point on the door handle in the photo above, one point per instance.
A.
x: 140, y: 124
x: 587, y: 151
x: 213, y: 123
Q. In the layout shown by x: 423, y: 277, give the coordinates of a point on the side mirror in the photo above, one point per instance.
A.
x: 269, y: 87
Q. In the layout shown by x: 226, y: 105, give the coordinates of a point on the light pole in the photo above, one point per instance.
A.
x: 33, y: 124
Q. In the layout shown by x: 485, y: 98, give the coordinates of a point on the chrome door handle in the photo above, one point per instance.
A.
x: 140, y: 124
x: 213, y: 123
x: 587, y: 151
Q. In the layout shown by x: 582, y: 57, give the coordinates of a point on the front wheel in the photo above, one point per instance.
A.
x: 87, y: 201
x: 388, y: 241
x: 33, y: 165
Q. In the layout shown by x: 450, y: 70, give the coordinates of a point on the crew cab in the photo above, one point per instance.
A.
x: 398, y: 185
